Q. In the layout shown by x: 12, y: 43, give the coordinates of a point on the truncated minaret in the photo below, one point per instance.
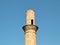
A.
x: 30, y: 28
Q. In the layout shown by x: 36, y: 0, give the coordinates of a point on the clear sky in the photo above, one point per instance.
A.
x: 12, y: 18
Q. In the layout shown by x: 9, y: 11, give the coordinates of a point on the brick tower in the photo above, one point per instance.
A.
x: 30, y: 28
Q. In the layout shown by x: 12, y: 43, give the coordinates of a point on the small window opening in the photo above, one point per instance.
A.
x: 32, y: 22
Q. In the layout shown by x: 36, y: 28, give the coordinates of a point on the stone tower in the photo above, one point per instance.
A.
x: 30, y: 28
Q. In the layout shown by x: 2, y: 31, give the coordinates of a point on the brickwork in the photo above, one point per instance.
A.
x: 29, y: 17
x: 30, y: 28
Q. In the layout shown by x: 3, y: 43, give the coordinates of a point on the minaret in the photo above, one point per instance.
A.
x: 30, y: 28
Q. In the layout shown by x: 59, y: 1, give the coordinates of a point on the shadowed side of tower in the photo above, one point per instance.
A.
x: 30, y: 28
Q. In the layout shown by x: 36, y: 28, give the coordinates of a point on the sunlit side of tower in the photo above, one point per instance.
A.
x: 30, y: 28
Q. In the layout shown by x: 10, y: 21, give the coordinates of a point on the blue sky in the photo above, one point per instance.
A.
x: 12, y: 18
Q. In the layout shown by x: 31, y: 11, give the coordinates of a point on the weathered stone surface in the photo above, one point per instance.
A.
x: 30, y: 28
x: 30, y: 38
x: 29, y: 17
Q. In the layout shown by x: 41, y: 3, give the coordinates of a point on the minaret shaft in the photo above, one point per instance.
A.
x: 30, y: 28
x: 30, y: 37
x: 30, y: 17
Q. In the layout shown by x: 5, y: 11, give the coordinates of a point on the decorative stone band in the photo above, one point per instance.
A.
x: 29, y: 27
